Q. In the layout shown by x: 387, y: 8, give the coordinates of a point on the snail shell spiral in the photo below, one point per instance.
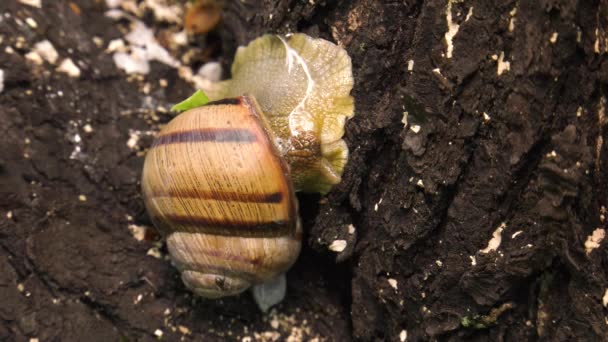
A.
x: 216, y: 186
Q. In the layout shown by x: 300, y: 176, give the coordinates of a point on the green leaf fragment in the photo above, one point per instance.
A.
x: 195, y: 100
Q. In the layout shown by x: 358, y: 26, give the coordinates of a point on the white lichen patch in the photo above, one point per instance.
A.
x: 158, y: 333
x: 473, y: 260
x: 593, y: 241
x: 415, y: 128
x: 82, y: 198
x: 495, y: 241
x: 68, y: 67
x: 502, y: 65
x: 439, y: 263
x: 605, y: 298
x: 393, y: 283
x: 338, y: 246
x: 486, y: 117
x: 138, y: 232
x: 1, y: 80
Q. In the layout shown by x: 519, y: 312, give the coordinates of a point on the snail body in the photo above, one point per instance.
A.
x: 219, y: 180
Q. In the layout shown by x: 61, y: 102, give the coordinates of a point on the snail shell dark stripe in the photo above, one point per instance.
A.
x: 213, y: 134
x: 215, y: 184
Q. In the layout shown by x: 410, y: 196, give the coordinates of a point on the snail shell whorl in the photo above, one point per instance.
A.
x: 214, y: 183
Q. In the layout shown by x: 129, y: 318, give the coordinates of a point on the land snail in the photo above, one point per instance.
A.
x: 219, y: 179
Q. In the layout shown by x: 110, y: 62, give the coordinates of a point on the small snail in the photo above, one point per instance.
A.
x: 219, y: 180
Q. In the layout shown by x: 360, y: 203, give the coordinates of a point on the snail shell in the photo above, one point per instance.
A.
x: 219, y: 180
x: 213, y: 182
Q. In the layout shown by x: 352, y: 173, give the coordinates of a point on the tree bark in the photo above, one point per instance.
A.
x: 473, y: 204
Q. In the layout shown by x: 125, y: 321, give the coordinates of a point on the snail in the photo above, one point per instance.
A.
x: 219, y: 179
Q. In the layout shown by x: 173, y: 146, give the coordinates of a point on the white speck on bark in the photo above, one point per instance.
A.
x: 46, y: 50
x: 502, y: 65
x: 495, y: 241
x: 410, y: 65
x: 469, y: 14
x: 393, y: 283
x: 415, y: 128
x: 605, y: 298
x: 32, y: 3
x: 68, y: 67
x: 553, y: 38
x: 516, y: 234
x: 512, y: 20
x: 337, y: 246
x: 138, y: 232
x: 351, y: 229
x: 403, y: 335
x: 473, y: 260
x: 31, y: 22
x: 116, y: 45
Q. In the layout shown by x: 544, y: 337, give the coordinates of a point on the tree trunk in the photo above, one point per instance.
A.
x: 473, y: 204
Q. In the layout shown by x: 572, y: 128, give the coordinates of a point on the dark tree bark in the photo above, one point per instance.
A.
x: 475, y: 220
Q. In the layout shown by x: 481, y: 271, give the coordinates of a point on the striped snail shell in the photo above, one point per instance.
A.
x: 213, y: 181
x: 219, y: 180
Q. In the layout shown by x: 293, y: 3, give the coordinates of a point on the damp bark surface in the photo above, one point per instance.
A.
x: 473, y: 205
